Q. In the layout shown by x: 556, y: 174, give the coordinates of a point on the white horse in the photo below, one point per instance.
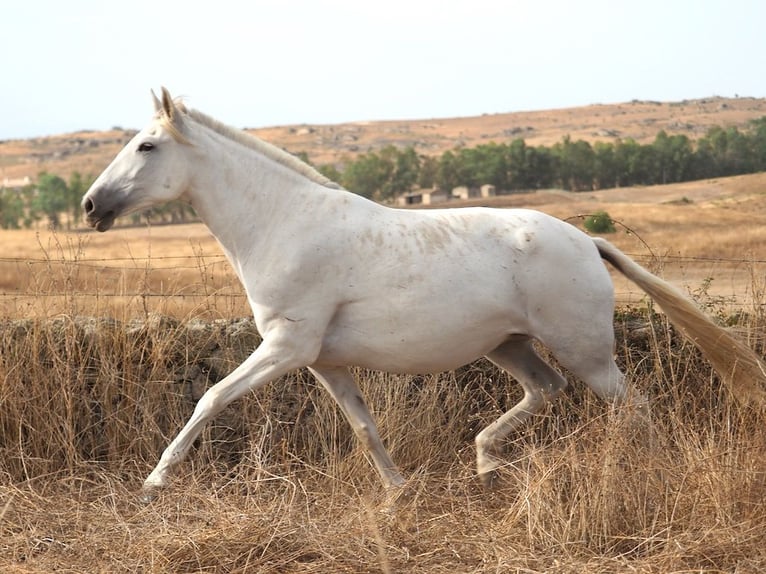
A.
x: 335, y: 280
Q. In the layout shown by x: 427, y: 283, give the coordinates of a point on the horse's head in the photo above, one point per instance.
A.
x: 151, y: 169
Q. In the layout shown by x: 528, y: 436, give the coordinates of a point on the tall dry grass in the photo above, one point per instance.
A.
x: 279, y: 484
x: 174, y: 270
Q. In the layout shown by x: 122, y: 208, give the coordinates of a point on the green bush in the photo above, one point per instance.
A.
x: 599, y: 222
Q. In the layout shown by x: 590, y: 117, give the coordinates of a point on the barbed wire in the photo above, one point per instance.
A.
x: 163, y: 263
x: 622, y: 298
x: 99, y: 262
x: 128, y: 295
x: 222, y: 259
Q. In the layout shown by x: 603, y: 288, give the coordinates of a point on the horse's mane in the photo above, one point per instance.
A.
x: 269, y: 150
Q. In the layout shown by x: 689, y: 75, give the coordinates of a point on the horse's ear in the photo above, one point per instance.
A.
x: 157, y: 102
x: 170, y: 109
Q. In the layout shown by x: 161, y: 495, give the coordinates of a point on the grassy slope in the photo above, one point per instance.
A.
x: 89, y: 152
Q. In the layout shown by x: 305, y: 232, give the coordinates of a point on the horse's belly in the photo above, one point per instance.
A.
x: 412, y: 343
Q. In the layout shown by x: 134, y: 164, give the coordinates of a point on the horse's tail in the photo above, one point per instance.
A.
x: 739, y: 367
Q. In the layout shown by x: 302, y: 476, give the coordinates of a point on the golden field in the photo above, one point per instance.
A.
x: 704, y: 234
x: 103, y: 358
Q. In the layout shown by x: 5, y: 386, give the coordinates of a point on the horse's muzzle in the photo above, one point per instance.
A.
x: 99, y: 218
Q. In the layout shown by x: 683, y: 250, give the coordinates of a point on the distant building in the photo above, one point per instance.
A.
x: 461, y: 192
x: 421, y: 197
x: 487, y: 190
x: 433, y: 196
x: 15, y: 183
x: 465, y: 192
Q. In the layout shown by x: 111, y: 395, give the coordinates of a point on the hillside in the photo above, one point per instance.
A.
x: 89, y: 152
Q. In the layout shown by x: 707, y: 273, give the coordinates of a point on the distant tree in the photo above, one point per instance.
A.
x: 366, y: 175
x: 428, y: 172
x: 518, y: 164
x: 76, y: 188
x: 673, y: 156
x: 725, y: 152
x: 758, y: 143
x: 31, y: 215
x: 489, y: 164
x: 467, y: 165
x: 51, y: 198
x: 541, y: 167
x: 605, y: 166
x: 11, y: 209
x: 739, y: 156
x: 331, y: 172
x: 527, y: 167
x: 633, y: 163
x: 405, y: 173
x: 447, y: 174
x: 393, y: 170
x: 575, y: 164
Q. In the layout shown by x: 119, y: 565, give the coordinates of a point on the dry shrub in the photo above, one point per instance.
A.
x: 279, y: 484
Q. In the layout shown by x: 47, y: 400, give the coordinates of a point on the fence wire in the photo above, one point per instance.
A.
x: 744, y: 276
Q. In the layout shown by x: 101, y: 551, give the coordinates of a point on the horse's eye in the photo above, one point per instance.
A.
x: 146, y: 146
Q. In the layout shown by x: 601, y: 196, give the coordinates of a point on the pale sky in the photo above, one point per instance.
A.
x: 68, y: 65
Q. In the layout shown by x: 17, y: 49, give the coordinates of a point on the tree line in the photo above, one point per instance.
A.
x: 510, y: 167
x: 55, y: 203
x: 570, y: 165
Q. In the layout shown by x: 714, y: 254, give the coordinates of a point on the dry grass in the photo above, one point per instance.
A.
x: 704, y: 236
x: 278, y: 482
x: 175, y: 270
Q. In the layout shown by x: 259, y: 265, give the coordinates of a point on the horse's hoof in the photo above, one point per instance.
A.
x: 148, y: 495
x: 489, y: 479
x: 398, y: 493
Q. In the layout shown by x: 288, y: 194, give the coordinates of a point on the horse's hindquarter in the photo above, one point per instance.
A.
x: 432, y: 290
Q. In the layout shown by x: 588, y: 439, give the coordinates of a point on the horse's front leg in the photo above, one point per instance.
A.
x: 341, y: 385
x: 279, y: 353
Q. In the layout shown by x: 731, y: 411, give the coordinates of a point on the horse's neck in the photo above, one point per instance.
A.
x: 245, y: 198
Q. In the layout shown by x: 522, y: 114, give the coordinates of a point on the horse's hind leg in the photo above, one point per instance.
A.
x: 541, y: 383
x: 591, y: 361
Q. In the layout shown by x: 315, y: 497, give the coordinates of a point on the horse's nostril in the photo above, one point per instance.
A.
x: 88, y: 205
